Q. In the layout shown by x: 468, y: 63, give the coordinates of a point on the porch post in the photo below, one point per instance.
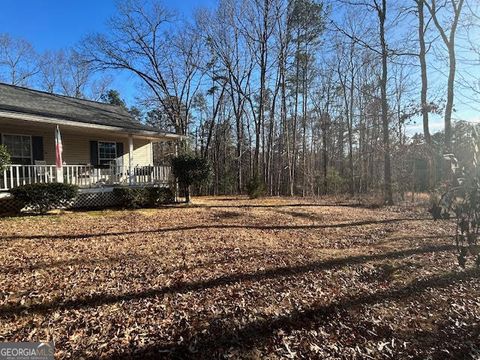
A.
x: 176, y: 182
x: 151, y: 177
x: 131, y: 178
x: 151, y: 153
x: 59, y: 177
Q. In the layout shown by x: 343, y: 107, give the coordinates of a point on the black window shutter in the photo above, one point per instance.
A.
x: 37, y: 148
x: 119, y: 161
x: 94, y: 153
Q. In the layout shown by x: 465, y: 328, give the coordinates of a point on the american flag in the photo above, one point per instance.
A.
x: 58, y: 148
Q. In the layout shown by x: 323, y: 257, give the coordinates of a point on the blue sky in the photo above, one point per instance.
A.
x: 50, y: 24
x: 57, y: 24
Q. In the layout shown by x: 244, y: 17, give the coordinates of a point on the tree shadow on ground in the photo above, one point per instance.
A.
x: 110, y: 260
x: 231, y: 199
x: 445, y: 341
x: 226, y: 215
x: 301, y: 215
x: 212, y: 226
x: 228, y: 279
x: 205, y: 346
x: 274, y: 206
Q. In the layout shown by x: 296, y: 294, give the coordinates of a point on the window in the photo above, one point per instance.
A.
x: 107, y: 153
x: 20, y: 148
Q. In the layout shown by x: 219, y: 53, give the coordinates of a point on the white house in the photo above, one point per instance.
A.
x: 103, y: 146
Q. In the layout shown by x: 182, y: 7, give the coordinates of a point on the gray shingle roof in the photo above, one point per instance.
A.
x: 23, y: 100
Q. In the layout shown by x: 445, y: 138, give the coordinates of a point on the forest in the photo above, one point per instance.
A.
x: 305, y: 97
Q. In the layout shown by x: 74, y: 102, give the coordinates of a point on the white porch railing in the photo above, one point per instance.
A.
x: 84, y: 176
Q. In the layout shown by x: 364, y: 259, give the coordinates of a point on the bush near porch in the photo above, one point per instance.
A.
x: 42, y: 198
x: 4, y: 157
x: 143, y: 197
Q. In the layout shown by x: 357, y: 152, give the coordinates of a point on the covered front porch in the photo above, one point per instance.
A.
x: 94, y: 156
x: 85, y: 176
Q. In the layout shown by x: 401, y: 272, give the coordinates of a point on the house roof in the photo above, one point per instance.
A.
x: 33, y: 102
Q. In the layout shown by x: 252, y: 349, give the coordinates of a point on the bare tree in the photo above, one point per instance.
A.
x: 257, y: 27
x: 74, y: 75
x: 18, y: 60
x: 381, y: 9
x: 98, y: 86
x: 51, y: 65
x: 64, y: 72
x: 422, y: 56
x: 223, y: 36
x: 447, y: 33
x: 141, y: 40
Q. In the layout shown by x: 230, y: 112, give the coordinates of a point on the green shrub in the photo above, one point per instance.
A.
x: 41, y: 198
x: 190, y: 170
x: 256, y: 188
x: 4, y: 157
x: 143, y: 197
x: 132, y: 198
x: 336, y: 183
x: 160, y: 196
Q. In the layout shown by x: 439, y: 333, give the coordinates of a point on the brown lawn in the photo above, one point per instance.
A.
x: 234, y: 278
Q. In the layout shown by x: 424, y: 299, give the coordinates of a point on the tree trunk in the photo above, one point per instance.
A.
x: 449, y: 42
x: 424, y: 74
x: 424, y: 93
x: 350, y: 138
x: 388, y: 192
x: 187, y: 194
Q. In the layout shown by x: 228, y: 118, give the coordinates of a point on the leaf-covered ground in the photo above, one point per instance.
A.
x: 234, y: 278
